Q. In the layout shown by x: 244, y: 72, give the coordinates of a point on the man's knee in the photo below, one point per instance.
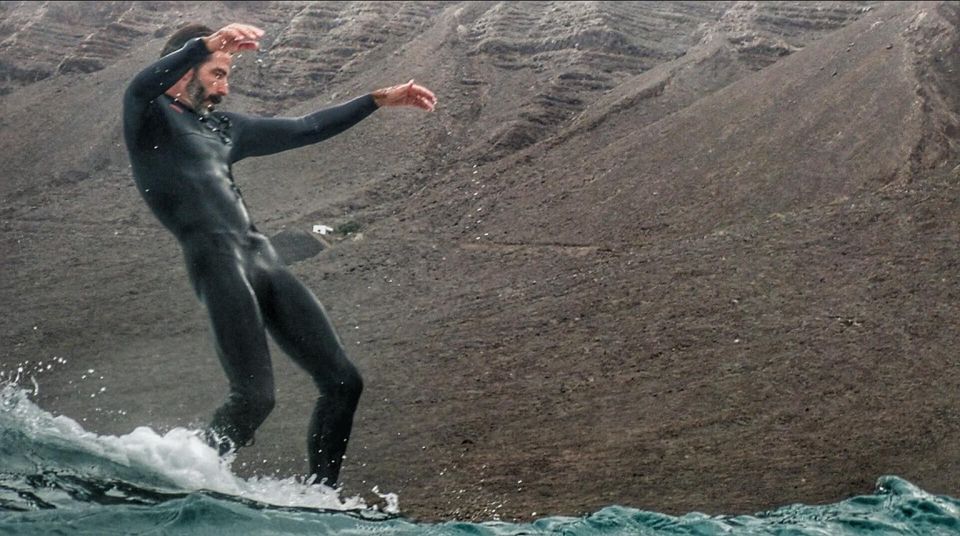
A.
x: 345, y: 383
x: 353, y: 382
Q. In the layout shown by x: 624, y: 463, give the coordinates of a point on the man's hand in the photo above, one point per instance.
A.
x: 408, y: 94
x: 234, y: 38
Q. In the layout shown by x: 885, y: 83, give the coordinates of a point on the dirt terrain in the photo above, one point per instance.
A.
x: 678, y: 256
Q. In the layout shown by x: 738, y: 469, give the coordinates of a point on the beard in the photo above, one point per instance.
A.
x: 203, y: 102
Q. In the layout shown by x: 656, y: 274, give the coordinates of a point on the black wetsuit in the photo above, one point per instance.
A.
x: 182, y: 165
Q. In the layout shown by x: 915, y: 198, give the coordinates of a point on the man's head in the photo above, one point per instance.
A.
x: 204, y: 86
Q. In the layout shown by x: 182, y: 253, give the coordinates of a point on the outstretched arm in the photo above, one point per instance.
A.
x: 255, y: 136
x: 260, y: 136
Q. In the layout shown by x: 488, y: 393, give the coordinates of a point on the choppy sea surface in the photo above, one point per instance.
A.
x: 57, y: 478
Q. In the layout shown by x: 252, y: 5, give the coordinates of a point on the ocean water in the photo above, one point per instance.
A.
x: 57, y: 478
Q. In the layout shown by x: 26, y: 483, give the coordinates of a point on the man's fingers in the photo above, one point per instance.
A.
x: 252, y: 32
x: 426, y: 104
x: 247, y: 34
x: 421, y: 97
x: 239, y: 37
x: 425, y: 93
x: 409, y: 94
x: 247, y: 30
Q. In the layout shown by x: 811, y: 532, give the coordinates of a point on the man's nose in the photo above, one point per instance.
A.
x: 222, y: 88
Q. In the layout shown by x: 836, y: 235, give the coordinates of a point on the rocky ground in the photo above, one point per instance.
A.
x: 675, y: 255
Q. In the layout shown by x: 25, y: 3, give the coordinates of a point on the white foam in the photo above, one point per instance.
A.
x: 179, y: 457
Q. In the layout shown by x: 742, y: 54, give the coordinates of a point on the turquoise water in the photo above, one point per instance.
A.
x: 57, y: 478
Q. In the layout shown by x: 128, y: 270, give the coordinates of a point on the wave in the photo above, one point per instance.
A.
x: 57, y: 478
x: 40, y: 448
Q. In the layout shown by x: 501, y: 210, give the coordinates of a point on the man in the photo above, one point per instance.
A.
x: 182, y: 151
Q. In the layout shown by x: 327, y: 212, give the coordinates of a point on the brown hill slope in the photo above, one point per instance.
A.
x: 811, y: 128
x: 671, y: 255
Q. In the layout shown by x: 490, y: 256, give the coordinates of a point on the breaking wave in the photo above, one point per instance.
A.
x: 57, y: 478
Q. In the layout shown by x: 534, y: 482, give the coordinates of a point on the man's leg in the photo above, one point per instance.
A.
x: 242, y: 346
x: 299, y: 325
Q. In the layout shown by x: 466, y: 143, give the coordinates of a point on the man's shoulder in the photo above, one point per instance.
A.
x: 148, y: 107
x: 154, y: 119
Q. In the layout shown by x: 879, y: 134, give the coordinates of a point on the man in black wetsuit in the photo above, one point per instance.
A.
x: 181, y: 152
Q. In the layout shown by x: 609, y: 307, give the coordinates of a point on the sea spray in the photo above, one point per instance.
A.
x: 33, y: 441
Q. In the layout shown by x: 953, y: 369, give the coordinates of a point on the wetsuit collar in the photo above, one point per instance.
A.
x: 182, y: 106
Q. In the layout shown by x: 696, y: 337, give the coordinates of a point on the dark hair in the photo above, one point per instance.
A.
x: 181, y: 36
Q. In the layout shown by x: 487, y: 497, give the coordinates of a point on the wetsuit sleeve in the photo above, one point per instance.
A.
x: 153, y: 81
x: 259, y: 136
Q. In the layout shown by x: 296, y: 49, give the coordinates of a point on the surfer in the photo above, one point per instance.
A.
x: 181, y: 150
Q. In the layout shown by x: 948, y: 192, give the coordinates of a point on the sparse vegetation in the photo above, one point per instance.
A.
x: 347, y: 228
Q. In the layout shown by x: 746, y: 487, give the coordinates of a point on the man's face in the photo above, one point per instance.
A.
x: 209, y: 85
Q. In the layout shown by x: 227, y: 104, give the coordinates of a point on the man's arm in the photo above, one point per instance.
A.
x: 156, y: 79
x: 151, y: 82
x: 260, y: 136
